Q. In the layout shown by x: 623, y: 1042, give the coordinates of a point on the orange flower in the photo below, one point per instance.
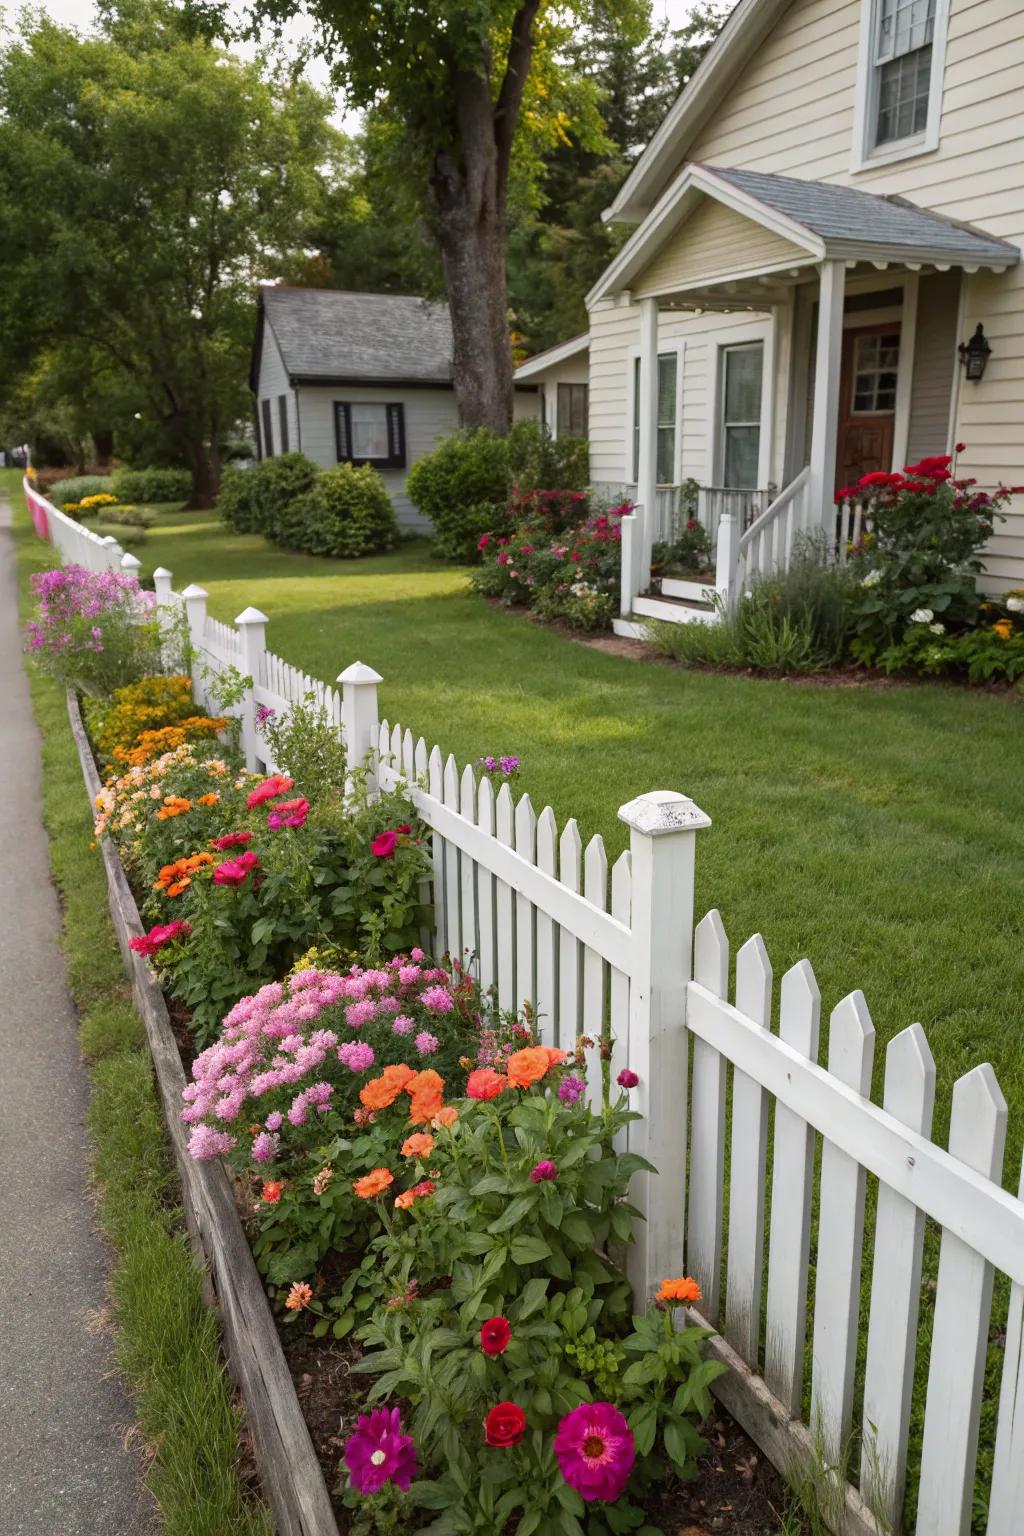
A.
x: 419, y: 1144
x: 373, y: 1184
x: 528, y: 1066
x: 208, y: 799
x: 179, y: 886
x: 681, y: 1289
x: 177, y: 877
x: 426, y: 1096
x: 445, y: 1118
x: 272, y: 1190
x: 418, y: 1192
x: 555, y: 1057
x: 1004, y: 629
x: 173, y: 805
x: 381, y: 1091
x: 299, y: 1296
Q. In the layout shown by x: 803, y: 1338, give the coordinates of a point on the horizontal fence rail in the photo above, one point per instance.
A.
x: 804, y: 1208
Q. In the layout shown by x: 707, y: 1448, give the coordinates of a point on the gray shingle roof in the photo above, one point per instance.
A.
x: 327, y: 334
x: 840, y: 214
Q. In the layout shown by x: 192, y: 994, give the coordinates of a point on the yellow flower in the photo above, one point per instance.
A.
x: 1004, y: 629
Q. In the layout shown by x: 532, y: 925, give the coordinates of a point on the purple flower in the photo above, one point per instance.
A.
x: 426, y: 1043
x: 264, y: 1147
x: 595, y: 1451
x: 205, y: 1143
x: 627, y: 1079
x: 356, y: 1055
x: 358, y: 1014
x: 263, y: 714
x: 438, y: 1000
x: 571, y: 1090
x: 378, y: 1452
x: 543, y: 1172
x: 508, y: 765
x: 274, y: 1120
x: 403, y: 1025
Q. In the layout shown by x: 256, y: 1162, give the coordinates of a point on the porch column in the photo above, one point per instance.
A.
x: 647, y: 417
x: 825, y: 427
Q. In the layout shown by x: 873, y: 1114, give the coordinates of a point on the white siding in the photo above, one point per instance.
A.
x: 526, y: 404
x: 429, y: 414
x: 273, y: 383
x: 713, y: 241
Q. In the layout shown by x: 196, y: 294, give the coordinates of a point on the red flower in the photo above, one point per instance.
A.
x: 163, y: 933
x: 879, y: 477
x: 846, y: 493
x: 495, y: 1335
x: 933, y: 466
x: 231, y: 840
x: 272, y: 1191
x: 505, y: 1425
x: 403, y: 830
x: 235, y: 871
x: 485, y: 1083
x: 483, y: 541
x: 384, y: 845
x: 959, y: 447
x: 288, y: 813
x: 276, y: 785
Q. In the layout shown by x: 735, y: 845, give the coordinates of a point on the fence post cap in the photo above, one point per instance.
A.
x: 109, y: 539
x: 162, y: 570
x: 130, y: 562
x: 359, y: 672
x: 252, y: 616
x: 192, y: 590
x: 661, y: 811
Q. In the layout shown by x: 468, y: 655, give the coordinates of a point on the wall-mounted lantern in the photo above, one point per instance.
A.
x: 974, y: 354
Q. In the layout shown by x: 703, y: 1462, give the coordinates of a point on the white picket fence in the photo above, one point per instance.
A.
x: 615, y: 953
x: 75, y: 544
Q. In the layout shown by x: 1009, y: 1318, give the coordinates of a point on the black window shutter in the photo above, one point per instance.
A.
x: 396, y: 436
x: 282, y: 411
x: 268, y: 431
x: 342, y: 432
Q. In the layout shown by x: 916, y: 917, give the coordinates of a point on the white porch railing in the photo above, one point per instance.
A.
x: 544, y: 919
x: 767, y: 544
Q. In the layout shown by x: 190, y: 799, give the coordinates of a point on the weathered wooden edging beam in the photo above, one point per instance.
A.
x: 286, y: 1461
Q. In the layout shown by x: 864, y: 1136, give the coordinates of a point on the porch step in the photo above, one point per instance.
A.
x: 671, y: 610
x: 690, y: 591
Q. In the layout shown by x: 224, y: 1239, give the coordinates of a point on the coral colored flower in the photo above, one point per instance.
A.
x: 272, y: 1191
x: 425, y: 1096
x: 231, y: 840
x: 277, y: 784
x: 544, y: 1172
x: 495, y: 1335
x: 595, y: 1451
x: 384, y: 845
x: 419, y: 1191
x: 419, y: 1144
x: 288, y: 813
x: 445, y: 1118
x: 173, y: 805
x: 381, y: 1091
x: 208, y: 799
x: 373, y: 1184
x: 681, y: 1289
x: 555, y: 1057
x: 299, y: 1296
x: 529, y: 1066
x: 485, y: 1083
x: 1004, y: 629
x: 159, y: 935
x: 378, y: 1453
x: 505, y: 1425
x: 235, y: 871
x: 627, y: 1078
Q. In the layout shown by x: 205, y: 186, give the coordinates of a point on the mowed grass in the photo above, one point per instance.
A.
x: 877, y: 831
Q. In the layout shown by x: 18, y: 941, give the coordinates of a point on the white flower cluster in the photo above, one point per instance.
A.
x: 1015, y: 604
x: 921, y: 616
x: 872, y: 579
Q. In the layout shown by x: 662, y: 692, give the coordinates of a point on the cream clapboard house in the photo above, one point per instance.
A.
x: 828, y: 213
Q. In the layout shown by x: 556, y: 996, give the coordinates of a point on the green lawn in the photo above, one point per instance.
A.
x: 879, y: 832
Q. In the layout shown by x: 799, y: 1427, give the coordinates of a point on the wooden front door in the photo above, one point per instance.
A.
x: 867, y: 401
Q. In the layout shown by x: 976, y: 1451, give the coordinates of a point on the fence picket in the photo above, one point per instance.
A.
x: 467, y: 874
x: 570, y: 857
x: 408, y: 758
x: 792, y: 1167
x: 435, y: 780
x: 595, y: 888
x: 908, y: 1095
x: 707, y: 1124
x: 526, y: 847
x: 748, y: 1157
x: 963, y: 1301
x: 547, y: 950
x: 504, y: 817
x: 618, y: 981
x: 485, y: 891
x: 451, y: 864
x: 1007, y: 1497
x: 851, y: 1049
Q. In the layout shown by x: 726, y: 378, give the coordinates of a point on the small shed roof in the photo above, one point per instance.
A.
x: 330, y: 336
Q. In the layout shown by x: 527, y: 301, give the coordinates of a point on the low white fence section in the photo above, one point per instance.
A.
x: 819, y: 1355
x: 75, y: 544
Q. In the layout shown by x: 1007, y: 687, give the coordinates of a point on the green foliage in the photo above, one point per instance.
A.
x: 307, y: 746
x: 78, y: 486
x: 988, y: 653
x: 347, y: 512
x: 259, y: 500
x: 538, y: 461
x: 152, y: 484
x: 690, y: 554
x: 238, y: 500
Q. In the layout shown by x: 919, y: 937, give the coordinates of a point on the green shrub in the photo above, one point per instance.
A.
x: 128, y: 517
x: 347, y: 513
x: 78, y: 486
x: 238, y: 500
x: 261, y: 504
x: 462, y: 487
x: 536, y: 460
x: 152, y: 485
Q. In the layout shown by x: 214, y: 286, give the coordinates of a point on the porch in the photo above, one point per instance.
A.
x: 854, y: 305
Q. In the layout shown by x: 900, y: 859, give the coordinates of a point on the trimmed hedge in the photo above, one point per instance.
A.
x: 152, y: 484
x: 347, y: 513
x: 78, y: 486
x: 254, y: 500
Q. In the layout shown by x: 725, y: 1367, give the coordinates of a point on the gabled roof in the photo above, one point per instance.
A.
x: 329, y: 336
x: 551, y: 356
x: 823, y: 221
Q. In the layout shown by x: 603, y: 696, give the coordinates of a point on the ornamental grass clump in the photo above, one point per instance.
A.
x: 94, y: 631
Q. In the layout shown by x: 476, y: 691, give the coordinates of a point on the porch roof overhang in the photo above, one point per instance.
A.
x: 817, y: 221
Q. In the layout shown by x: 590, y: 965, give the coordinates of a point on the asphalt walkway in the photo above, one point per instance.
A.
x: 64, y: 1416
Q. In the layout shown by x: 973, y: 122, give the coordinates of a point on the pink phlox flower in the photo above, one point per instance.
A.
x: 205, y: 1142
x: 438, y: 1000
x: 426, y: 1043
x: 416, y: 954
x: 358, y: 1014
x: 264, y: 1147
x: 408, y: 974
x: 274, y: 1120
x: 389, y: 1006
x: 356, y: 1055
x: 403, y: 1025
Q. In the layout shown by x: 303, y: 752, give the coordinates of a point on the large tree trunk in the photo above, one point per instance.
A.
x: 103, y: 444
x: 204, y: 464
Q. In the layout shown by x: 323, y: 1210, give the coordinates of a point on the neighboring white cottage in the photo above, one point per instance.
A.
x: 561, y: 375
x: 363, y: 378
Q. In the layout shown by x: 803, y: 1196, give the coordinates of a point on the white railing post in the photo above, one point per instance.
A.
x: 252, y: 644
x: 631, y: 552
x: 195, y: 614
x: 114, y: 553
x: 131, y: 564
x: 663, y: 827
x: 162, y: 586
x: 360, y: 721
x: 727, y: 561
x: 647, y: 421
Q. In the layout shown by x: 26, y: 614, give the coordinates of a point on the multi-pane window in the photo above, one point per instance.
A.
x: 572, y: 410
x: 742, y: 369
x: 668, y: 415
x: 875, y: 362
x: 370, y: 432
x: 904, y: 30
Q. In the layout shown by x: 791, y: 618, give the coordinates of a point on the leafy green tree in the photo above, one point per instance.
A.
x: 148, y: 181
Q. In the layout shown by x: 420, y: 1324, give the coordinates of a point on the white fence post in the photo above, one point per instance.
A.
x: 114, y: 553
x: 727, y: 560
x: 130, y: 564
x: 359, y: 718
x: 195, y: 612
x: 662, y: 827
x: 630, y: 548
x: 252, y: 641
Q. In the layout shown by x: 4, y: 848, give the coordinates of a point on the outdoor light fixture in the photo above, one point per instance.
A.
x: 974, y: 353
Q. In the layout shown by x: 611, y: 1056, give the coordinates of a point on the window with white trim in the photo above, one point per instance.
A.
x: 741, y: 373
x: 668, y: 416
x: 900, y: 78
x: 370, y: 432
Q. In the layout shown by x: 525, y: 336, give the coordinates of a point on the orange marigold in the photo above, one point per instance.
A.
x: 208, y: 799
x: 373, y: 1183
x: 381, y: 1091
x: 681, y: 1289
x: 426, y: 1096
x: 529, y: 1066
x: 419, y: 1144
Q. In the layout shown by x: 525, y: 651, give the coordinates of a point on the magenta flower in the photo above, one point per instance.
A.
x: 571, y: 1090
x: 378, y: 1452
x: 356, y: 1055
x: 235, y: 871
x: 426, y: 1043
x: 358, y: 1014
x: 288, y: 813
x: 595, y: 1451
x: 437, y: 999
x: 403, y: 1025
x: 543, y: 1172
x: 627, y: 1079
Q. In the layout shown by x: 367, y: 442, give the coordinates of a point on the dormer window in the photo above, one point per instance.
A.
x: 899, y: 79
